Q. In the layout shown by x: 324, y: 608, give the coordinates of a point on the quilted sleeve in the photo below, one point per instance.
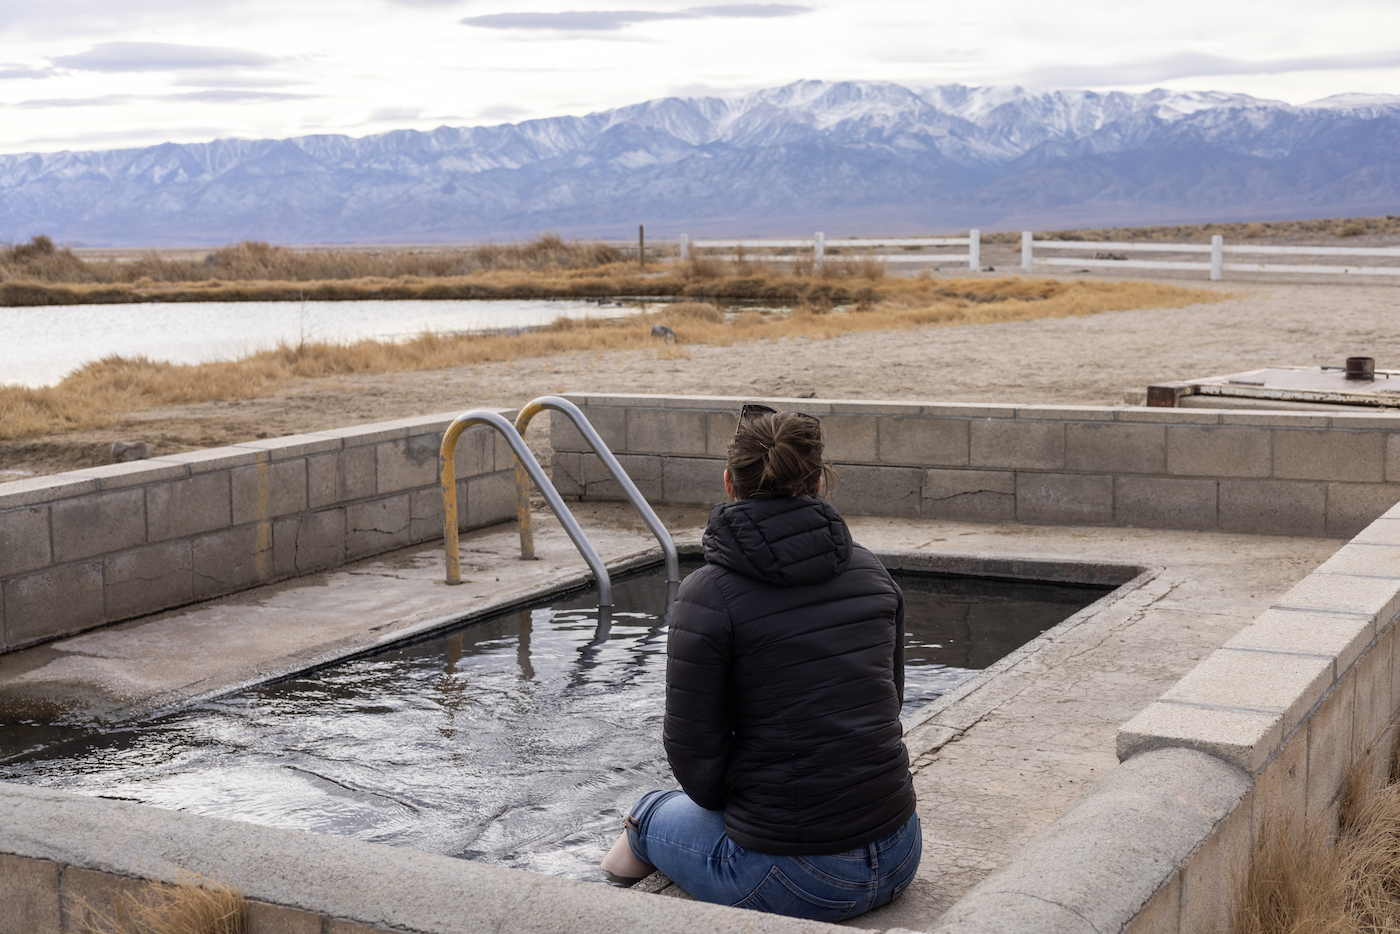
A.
x: 697, y: 731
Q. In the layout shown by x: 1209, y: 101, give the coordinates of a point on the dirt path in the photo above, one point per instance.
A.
x: 1072, y: 360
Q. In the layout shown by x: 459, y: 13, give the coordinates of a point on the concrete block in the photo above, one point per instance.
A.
x: 178, y: 508
x: 29, y: 896
x: 1340, y: 637
x: 475, y: 453
x: 1377, y: 597
x: 289, y: 446
x: 1273, y: 507
x: 1263, y: 419
x: 207, y: 460
x: 965, y: 410
x: 24, y: 540
x: 852, y: 439
x: 144, y: 580
x: 1354, y: 456
x: 231, y: 559
x: 875, y: 491
x: 274, y: 919
x: 610, y: 423
x: 1165, y: 502
x: 1373, y: 694
x: 1254, y: 680
x: 666, y: 431
x: 1392, y: 458
x: 1166, y: 416
x: 98, y: 523
x: 1282, y: 787
x: 33, y: 491
x: 1353, y: 506
x: 1115, y: 447
x: 644, y: 469
x: 1199, y: 451
x: 370, y: 434
x: 343, y: 477
x: 731, y: 403
x: 407, y: 463
x: 1243, y: 738
x: 1208, y: 880
x: 1016, y: 444
x: 1329, y: 748
x: 376, y: 526
x: 489, y: 499
x: 719, y: 432
x: 566, y: 473
x: 268, y: 490
x: 86, y: 892
x: 1383, y: 531
x: 1365, y: 560
x: 923, y: 442
x: 969, y: 495
x: 1072, y: 499
x: 133, y: 473
x: 503, y: 456
x: 692, y: 481
x: 1162, y: 913
x: 53, y: 602
x: 350, y: 927
x: 320, y: 540
x: 850, y: 407
x: 1068, y: 413
x: 425, y: 515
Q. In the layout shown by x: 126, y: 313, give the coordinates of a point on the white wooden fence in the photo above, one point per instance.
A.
x: 1216, y: 265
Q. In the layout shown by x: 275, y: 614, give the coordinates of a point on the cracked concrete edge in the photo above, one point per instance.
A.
x: 1095, y: 867
x: 340, y: 879
x: 948, y: 717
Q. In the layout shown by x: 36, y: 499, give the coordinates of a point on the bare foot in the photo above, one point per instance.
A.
x: 621, y: 861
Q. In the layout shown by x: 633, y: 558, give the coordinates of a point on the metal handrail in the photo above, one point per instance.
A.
x: 448, y: 478
x: 590, y: 434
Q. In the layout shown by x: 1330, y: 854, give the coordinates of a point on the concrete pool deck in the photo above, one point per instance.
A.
x: 991, y: 771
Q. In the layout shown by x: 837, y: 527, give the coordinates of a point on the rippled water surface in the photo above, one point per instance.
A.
x: 44, y: 344
x: 518, y: 741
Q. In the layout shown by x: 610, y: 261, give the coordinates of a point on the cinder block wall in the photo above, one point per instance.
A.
x: 1280, y: 473
x: 89, y: 547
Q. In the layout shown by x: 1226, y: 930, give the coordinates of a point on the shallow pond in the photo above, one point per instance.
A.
x: 518, y: 740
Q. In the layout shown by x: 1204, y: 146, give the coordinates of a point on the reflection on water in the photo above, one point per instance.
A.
x: 518, y: 741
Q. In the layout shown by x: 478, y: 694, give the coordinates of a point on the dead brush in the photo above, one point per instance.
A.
x: 193, y: 905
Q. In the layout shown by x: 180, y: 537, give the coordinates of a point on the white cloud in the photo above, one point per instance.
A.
x: 160, y: 56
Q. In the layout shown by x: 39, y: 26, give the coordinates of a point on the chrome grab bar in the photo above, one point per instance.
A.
x: 523, y: 458
x: 590, y: 434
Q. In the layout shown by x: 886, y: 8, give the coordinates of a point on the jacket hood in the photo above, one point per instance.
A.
x: 786, y: 542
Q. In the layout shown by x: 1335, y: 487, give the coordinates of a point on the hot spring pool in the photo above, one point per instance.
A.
x: 518, y: 739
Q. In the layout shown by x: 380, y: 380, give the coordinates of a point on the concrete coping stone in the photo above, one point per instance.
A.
x: 1095, y: 867
x: 209, y: 460
x: 1378, y: 597
x: 1274, y: 419
x: 1366, y: 420
x: 289, y: 446
x: 1384, y: 531
x: 1087, y: 413
x: 132, y: 473
x: 1169, y: 415
x: 1365, y: 559
x: 1337, y: 636
x: 1258, y: 681
x: 32, y: 491
x: 1069, y: 570
x: 1244, y: 738
x: 346, y: 880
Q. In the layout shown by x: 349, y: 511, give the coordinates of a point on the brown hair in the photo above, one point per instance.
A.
x: 777, y: 454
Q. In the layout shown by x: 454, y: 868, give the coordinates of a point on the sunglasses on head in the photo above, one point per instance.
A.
x: 753, y: 410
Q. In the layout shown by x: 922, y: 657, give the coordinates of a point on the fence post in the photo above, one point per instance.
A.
x: 1026, y: 258
x: 974, y: 250
x: 685, y: 248
x: 818, y: 248
x: 1217, y: 257
x: 641, y: 246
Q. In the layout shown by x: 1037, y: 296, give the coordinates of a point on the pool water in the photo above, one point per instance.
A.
x: 518, y: 740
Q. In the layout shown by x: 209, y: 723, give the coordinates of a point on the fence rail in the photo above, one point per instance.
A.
x: 1216, y: 267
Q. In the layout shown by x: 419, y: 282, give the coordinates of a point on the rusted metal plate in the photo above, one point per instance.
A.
x: 1327, y: 384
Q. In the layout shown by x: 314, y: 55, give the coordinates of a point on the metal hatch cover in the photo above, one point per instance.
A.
x: 1326, y: 385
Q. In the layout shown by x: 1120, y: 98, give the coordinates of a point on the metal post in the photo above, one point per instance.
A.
x: 1026, y: 259
x: 1217, y: 257
x: 818, y: 248
x: 685, y: 248
x: 641, y: 246
x: 974, y: 250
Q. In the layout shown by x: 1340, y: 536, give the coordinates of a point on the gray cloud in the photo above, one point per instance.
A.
x: 1198, y: 64
x: 106, y: 100
x: 609, y: 20
x: 232, y: 79
x: 234, y: 96
x: 160, y: 56
x: 24, y: 71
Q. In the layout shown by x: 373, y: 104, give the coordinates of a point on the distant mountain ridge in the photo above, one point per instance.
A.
x: 844, y: 157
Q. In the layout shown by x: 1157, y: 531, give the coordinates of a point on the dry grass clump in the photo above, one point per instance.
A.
x: 91, y: 395
x: 192, y: 905
x: 1308, y: 879
x: 1250, y: 230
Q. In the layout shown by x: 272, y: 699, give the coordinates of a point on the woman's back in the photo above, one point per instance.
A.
x: 785, y: 680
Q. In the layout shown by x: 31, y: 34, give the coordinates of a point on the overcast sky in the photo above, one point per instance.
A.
x: 98, y: 74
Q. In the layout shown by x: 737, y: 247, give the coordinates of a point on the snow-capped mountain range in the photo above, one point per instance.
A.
x: 845, y: 157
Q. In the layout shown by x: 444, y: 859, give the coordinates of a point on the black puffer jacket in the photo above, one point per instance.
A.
x: 784, y: 681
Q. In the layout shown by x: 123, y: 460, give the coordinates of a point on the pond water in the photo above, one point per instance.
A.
x: 44, y: 344
x: 519, y: 740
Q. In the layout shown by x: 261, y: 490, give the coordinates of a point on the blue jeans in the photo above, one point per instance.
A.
x: 689, y: 845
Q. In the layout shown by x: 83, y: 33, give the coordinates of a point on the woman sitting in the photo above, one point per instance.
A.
x: 784, y: 682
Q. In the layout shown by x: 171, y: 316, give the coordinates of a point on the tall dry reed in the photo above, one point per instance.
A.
x: 193, y: 905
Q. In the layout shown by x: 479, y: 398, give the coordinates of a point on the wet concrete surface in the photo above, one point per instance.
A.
x: 1029, y: 742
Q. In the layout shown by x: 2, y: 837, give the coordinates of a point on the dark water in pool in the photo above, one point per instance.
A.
x: 518, y: 740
